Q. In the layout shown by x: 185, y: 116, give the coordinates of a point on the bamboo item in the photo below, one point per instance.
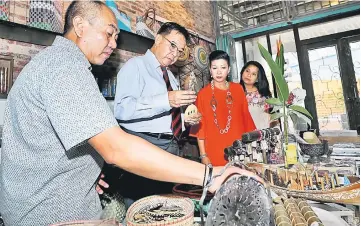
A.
x: 317, y: 179
x: 281, y: 216
x: 294, y: 212
x: 309, y: 215
x: 332, y: 182
x: 301, y: 182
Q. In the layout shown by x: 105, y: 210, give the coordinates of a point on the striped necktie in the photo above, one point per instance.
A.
x: 176, y: 113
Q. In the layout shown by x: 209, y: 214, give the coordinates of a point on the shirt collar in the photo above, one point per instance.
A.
x: 150, y: 57
x: 71, y: 47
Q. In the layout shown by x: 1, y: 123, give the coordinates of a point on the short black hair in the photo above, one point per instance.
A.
x: 217, y: 55
x: 262, y: 82
x: 168, y: 27
x: 85, y: 9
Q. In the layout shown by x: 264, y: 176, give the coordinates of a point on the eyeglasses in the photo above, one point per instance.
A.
x: 173, y: 47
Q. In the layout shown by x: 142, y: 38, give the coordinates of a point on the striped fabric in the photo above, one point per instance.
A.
x: 4, y: 9
x: 176, y: 113
x: 46, y: 14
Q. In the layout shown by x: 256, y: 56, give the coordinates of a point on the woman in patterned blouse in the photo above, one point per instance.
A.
x: 256, y: 87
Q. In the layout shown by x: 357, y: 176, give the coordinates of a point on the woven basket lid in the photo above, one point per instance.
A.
x: 200, y: 57
x: 185, y: 203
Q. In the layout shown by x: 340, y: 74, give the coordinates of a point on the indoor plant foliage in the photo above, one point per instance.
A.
x: 285, y: 105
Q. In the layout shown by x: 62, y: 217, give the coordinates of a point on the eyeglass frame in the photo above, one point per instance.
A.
x: 174, y: 47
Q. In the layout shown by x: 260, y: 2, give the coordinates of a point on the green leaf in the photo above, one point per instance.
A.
x: 277, y: 74
x: 296, y: 117
x: 281, y: 63
x: 274, y: 101
x: 301, y: 110
x: 275, y: 116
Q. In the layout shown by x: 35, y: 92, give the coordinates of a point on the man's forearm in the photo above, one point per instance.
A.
x: 138, y: 156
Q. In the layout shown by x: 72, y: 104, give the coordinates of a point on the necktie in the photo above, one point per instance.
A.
x: 176, y: 113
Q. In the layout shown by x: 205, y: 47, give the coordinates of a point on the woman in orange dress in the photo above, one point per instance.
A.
x: 224, y: 109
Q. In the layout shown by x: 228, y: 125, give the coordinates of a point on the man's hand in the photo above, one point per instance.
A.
x: 101, y: 183
x: 229, y: 172
x: 193, y: 119
x: 181, y: 97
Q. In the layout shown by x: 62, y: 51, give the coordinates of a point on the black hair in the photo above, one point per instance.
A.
x: 262, y: 83
x: 218, y: 55
x: 85, y: 9
x: 168, y: 27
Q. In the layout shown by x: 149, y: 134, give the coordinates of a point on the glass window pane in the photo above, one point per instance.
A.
x: 333, y: 27
x: 292, y: 70
x: 327, y: 86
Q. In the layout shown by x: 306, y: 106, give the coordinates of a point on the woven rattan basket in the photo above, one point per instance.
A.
x: 185, y: 203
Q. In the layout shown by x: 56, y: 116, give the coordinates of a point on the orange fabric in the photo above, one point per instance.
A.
x: 241, y: 122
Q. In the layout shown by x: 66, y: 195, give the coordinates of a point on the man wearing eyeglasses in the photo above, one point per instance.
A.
x: 148, y: 100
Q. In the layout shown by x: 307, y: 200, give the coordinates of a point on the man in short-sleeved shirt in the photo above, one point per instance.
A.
x: 49, y: 159
x: 58, y: 128
x: 48, y: 171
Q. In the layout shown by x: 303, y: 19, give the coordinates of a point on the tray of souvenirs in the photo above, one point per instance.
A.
x: 318, y: 185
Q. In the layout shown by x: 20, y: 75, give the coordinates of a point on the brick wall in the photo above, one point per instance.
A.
x: 20, y: 51
x: 194, y: 15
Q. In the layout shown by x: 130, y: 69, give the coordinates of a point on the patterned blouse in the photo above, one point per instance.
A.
x: 259, y: 109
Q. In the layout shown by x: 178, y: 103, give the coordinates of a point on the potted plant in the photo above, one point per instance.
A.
x: 285, y: 105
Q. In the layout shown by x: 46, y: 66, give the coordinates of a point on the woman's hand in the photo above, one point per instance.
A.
x: 217, y: 182
x: 205, y: 160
